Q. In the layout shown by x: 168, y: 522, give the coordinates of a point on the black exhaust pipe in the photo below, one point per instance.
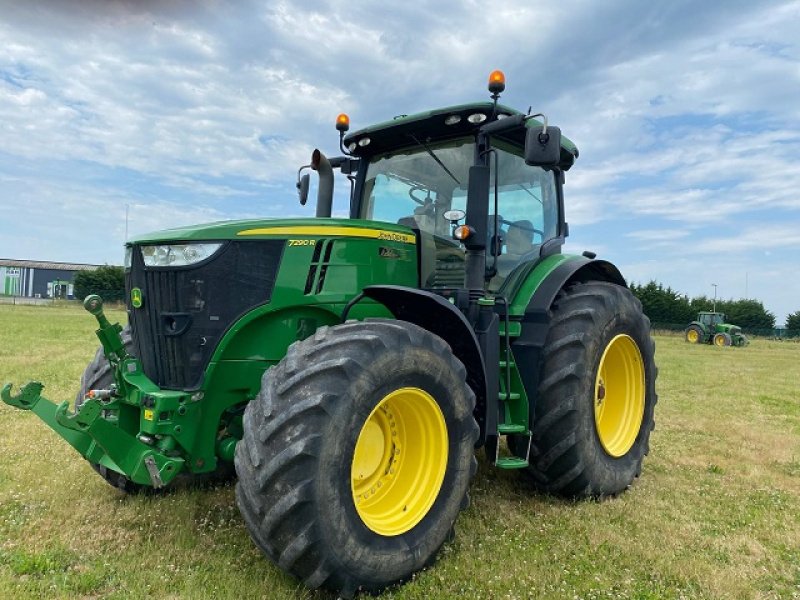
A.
x: 325, y: 191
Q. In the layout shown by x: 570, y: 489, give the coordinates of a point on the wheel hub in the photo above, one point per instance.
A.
x: 399, y: 461
x: 619, y: 395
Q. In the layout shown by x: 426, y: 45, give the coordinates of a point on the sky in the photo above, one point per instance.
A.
x: 686, y: 114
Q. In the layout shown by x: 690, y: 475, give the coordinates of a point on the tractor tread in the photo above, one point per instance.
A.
x: 566, y: 458
x: 280, y: 459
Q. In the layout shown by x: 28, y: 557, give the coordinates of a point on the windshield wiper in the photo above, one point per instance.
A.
x: 434, y: 157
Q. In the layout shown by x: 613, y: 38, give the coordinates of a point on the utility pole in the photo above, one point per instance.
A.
x: 715, y: 298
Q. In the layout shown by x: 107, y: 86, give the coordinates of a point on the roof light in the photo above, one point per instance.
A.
x: 452, y: 120
x: 342, y: 122
x: 364, y: 141
x: 352, y: 146
x: 476, y: 118
x: 497, y: 82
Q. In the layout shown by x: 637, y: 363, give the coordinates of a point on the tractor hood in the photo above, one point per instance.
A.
x: 280, y: 228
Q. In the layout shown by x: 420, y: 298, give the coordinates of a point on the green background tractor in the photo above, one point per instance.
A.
x: 711, y: 328
x: 348, y: 368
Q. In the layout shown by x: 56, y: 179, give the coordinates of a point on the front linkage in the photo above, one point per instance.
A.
x: 100, y: 428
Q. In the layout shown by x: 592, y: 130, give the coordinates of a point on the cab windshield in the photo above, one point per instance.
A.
x: 416, y: 186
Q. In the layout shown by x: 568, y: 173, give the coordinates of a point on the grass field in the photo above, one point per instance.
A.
x: 716, y: 513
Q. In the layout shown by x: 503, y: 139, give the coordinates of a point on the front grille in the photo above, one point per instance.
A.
x: 187, y: 310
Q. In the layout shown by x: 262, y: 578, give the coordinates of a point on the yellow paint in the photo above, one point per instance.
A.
x: 323, y: 231
x: 148, y: 414
x: 619, y: 395
x: 399, y: 461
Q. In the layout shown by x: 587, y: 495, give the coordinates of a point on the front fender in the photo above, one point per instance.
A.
x: 432, y: 312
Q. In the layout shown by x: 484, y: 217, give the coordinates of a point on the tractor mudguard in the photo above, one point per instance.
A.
x: 432, y: 312
x: 535, y: 322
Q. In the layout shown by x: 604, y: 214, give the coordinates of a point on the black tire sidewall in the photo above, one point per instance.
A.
x: 361, y: 551
x: 700, y: 335
x: 568, y: 457
x: 608, y: 471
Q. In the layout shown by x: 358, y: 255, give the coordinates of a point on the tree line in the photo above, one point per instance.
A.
x: 107, y: 281
x: 665, y: 305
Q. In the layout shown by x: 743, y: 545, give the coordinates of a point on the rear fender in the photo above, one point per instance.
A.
x: 535, y: 321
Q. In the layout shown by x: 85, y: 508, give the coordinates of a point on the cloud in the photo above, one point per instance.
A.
x: 686, y: 115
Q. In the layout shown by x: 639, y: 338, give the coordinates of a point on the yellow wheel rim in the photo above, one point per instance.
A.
x: 692, y: 336
x: 719, y: 340
x: 619, y: 395
x: 399, y: 461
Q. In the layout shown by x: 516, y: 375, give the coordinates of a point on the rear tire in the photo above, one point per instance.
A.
x: 319, y: 486
x: 98, y: 376
x: 694, y: 335
x: 594, y: 412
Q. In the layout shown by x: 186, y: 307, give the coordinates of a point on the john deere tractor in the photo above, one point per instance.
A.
x: 711, y: 328
x: 348, y: 368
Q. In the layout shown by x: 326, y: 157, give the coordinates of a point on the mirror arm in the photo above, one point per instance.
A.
x: 544, y: 118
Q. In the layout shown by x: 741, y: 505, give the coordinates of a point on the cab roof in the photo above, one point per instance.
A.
x: 430, y: 127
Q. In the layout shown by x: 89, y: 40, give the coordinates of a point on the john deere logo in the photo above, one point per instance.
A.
x: 136, y: 298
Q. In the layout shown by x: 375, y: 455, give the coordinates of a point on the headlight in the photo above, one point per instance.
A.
x: 177, y: 255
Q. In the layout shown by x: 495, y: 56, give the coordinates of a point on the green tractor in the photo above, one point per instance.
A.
x: 348, y: 368
x: 711, y: 328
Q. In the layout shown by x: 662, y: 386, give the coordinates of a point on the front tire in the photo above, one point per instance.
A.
x: 357, y: 454
x: 594, y: 412
x: 722, y: 339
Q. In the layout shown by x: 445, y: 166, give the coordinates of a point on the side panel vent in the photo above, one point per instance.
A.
x: 323, y: 270
x: 319, y: 265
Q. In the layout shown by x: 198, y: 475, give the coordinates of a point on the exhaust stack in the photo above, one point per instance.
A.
x: 322, y: 165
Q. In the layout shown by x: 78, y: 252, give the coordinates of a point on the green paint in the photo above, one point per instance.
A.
x: 524, y: 286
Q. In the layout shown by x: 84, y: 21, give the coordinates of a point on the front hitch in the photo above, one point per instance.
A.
x: 97, y: 439
x: 26, y: 399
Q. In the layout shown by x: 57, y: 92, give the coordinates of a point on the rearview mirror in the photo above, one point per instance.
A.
x: 302, y: 188
x: 543, y: 146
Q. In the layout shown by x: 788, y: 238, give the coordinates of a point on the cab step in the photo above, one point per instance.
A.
x: 511, y: 462
x: 507, y: 428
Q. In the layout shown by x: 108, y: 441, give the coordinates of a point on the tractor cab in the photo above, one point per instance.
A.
x: 711, y: 319
x: 425, y: 187
x: 478, y: 184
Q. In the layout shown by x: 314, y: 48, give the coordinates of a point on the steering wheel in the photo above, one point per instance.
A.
x: 531, y: 229
x: 421, y: 201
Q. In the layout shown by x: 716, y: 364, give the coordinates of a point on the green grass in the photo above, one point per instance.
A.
x: 716, y: 513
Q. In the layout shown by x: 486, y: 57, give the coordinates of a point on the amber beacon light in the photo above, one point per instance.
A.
x: 497, y: 82
x: 342, y: 122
